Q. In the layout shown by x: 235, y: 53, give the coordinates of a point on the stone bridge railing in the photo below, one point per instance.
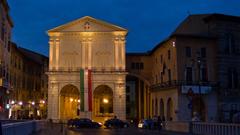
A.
x: 22, y: 127
x: 202, y: 128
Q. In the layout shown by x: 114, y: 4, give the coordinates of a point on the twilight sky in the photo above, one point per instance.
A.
x: 148, y: 21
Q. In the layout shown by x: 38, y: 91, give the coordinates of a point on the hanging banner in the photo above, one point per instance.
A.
x: 89, y: 90
x: 82, y: 90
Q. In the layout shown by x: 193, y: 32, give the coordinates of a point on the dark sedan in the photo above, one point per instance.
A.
x: 115, y: 123
x: 83, y: 123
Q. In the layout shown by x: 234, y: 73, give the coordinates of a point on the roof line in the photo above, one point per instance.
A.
x: 86, y: 17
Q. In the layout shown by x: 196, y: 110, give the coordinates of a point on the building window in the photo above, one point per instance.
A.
x: 232, y: 78
x: 230, y: 47
x: 133, y: 66
x: 189, y: 74
x: 141, y: 65
x: 137, y: 66
x: 161, y: 77
x: 161, y: 59
x: 9, y: 45
x: 203, y: 52
x: 3, y: 29
x: 127, y: 89
x: 169, y: 75
x: 169, y: 54
x: 156, y: 78
x: 188, y: 51
x: 204, y: 74
x: 128, y: 98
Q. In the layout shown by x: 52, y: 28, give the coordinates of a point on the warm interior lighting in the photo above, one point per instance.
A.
x: 105, y: 101
x: 20, y: 103
x: 79, y: 101
x: 42, y: 101
x: 12, y: 102
x: 33, y: 103
x: 71, y: 99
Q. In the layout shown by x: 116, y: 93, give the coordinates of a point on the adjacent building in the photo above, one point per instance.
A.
x: 178, y: 78
x: 6, y: 25
x: 28, y: 83
x: 226, y: 30
x: 196, y: 69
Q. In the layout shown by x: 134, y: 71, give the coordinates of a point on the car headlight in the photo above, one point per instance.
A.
x: 140, y: 125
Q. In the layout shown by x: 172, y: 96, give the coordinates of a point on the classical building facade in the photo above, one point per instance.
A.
x: 86, y: 70
x: 6, y: 25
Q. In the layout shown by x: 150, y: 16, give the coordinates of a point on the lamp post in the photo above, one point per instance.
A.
x: 199, y: 62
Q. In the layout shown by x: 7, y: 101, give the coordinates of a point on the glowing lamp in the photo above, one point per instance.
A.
x: 105, y: 101
x: 20, y: 103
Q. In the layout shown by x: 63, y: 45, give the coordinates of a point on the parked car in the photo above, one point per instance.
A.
x: 150, y: 124
x: 83, y: 123
x: 146, y: 124
x: 116, y: 123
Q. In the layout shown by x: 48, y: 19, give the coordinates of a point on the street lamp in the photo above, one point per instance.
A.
x: 105, y: 101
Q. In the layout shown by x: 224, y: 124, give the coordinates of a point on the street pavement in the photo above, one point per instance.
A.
x: 58, y: 129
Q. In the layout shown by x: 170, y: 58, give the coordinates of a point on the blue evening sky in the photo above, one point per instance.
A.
x: 148, y: 21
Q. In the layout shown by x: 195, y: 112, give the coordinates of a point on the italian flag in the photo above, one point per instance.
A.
x: 86, y: 90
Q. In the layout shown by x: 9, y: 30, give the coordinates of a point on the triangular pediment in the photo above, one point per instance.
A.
x: 87, y: 24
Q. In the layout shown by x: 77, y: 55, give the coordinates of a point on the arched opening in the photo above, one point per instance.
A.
x: 161, y: 108
x: 169, y: 109
x: 69, y: 102
x: 137, y: 91
x: 198, y: 107
x: 103, y: 101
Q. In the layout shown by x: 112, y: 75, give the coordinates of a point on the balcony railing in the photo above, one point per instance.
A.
x: 176, y: 83
x: 94, y: 69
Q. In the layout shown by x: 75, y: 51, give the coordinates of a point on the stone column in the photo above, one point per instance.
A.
x: 119, y: 107
x: 123, y: 54
x: 57, y: 45
x: 83, y: 54
x: 53, y: 101
x: 50, y: 54
x: 116, y: 52
x: 89, y: 43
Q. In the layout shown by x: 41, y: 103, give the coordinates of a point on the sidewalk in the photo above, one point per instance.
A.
x: 52, y: 129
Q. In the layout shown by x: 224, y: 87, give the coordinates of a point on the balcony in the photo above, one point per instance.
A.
x: 93, y: 69
x: 178, y: 83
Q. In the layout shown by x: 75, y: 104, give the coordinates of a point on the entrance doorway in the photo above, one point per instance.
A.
x: 198, y: 107
x: 102, y: 102
x: 69, y: 102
